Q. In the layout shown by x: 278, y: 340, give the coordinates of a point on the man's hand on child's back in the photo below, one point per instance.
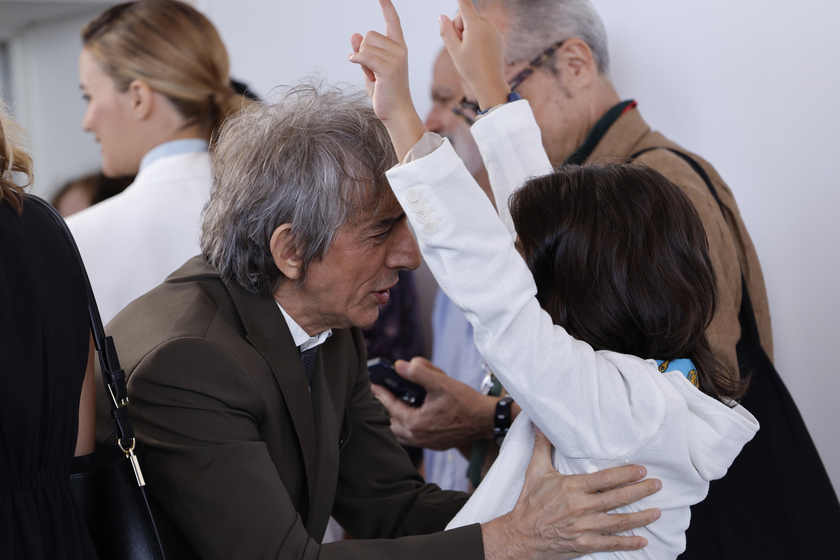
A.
x: 560, y: 516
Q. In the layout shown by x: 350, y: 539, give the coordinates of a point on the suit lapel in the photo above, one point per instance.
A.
x: 267, y: 331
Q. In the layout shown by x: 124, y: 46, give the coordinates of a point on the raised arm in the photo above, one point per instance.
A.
x: 384, y: 61
x: 510, y: 142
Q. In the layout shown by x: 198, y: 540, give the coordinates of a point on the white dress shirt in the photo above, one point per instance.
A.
x: 302, y: 339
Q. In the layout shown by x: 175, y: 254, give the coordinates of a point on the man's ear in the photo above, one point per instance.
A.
x: 142, y: 99
x: 283, y: 251
x: 577, y: 63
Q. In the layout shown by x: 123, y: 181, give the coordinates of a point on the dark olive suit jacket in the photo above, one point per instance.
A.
x: 247, y: 463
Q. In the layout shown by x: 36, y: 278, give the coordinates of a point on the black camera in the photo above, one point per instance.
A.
x: 382, y: 373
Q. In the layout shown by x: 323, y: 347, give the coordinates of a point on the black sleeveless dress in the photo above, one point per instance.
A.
x: 44, y: 333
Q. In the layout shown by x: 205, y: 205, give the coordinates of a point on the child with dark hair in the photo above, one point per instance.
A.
x: 620, y: 260
x: 600, y: 337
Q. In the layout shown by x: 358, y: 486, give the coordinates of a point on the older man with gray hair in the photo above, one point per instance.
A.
x: 247, y: 371
x: 556, y: 58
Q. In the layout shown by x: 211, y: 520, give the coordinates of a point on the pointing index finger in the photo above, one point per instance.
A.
x: 467, y: 11
x: 393, y: 29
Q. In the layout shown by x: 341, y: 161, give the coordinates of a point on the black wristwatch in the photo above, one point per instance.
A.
x: 502, y: 419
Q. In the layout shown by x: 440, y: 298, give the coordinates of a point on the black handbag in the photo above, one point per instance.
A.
x: 776, y: 500
x: 108, y: 484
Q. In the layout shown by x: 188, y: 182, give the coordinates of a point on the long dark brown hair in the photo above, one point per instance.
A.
x: 621, y: 261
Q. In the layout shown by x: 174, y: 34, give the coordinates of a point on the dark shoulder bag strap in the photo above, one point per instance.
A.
x: 112, y: 499
x: 746, y: 315
x: 694, y: 165
x: 112, y: 375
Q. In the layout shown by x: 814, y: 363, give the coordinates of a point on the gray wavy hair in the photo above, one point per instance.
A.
x: 316, y: 159
x: 535, y: 24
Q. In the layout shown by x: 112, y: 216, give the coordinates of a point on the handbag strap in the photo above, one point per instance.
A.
x: 746, y: 315
x: 112, y: 374
x: 694, y: 165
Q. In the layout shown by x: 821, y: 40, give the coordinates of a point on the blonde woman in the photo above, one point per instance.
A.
x: 155, y: 76
x: 46, y: 372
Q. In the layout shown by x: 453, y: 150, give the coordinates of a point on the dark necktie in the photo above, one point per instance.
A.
x: 308, y: 357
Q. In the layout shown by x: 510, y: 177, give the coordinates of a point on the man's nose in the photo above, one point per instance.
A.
x: 404, y: 252
x: 433, y: 121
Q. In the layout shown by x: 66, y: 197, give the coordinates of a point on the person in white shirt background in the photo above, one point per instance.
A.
x: 155, y: 77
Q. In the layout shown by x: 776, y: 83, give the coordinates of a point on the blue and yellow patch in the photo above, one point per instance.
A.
x: 684, y: 366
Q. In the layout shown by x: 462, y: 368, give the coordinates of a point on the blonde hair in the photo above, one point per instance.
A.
x: 13, y: 159
x: 174, y: 49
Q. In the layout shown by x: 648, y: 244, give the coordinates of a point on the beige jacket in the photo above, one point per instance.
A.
x: 729, y: 242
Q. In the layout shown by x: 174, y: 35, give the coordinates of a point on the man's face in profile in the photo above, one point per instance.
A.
x: 346, y: 287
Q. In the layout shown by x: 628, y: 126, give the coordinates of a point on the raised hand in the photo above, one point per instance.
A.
x: 477, y: 49
x: 384, y: 61
x: 559, y: 516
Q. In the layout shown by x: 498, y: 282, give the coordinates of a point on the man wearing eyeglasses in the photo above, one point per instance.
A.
x: 557, y: 59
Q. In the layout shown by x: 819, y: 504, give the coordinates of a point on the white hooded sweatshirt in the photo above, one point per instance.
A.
x: 599, y: 409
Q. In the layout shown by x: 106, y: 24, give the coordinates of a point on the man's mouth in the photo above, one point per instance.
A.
x: 382, y: 296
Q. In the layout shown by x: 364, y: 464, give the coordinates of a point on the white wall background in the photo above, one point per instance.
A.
x: 276, y: 43
x: 752, y: 86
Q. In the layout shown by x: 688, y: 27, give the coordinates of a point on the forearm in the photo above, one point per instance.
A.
x: 510, y: 144
x: 405, y: 131
x: 485, y: 426
x: 479, y: 419
x: 471, y: 422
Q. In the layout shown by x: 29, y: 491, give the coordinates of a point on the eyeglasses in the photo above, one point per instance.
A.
x: 468, y: 110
